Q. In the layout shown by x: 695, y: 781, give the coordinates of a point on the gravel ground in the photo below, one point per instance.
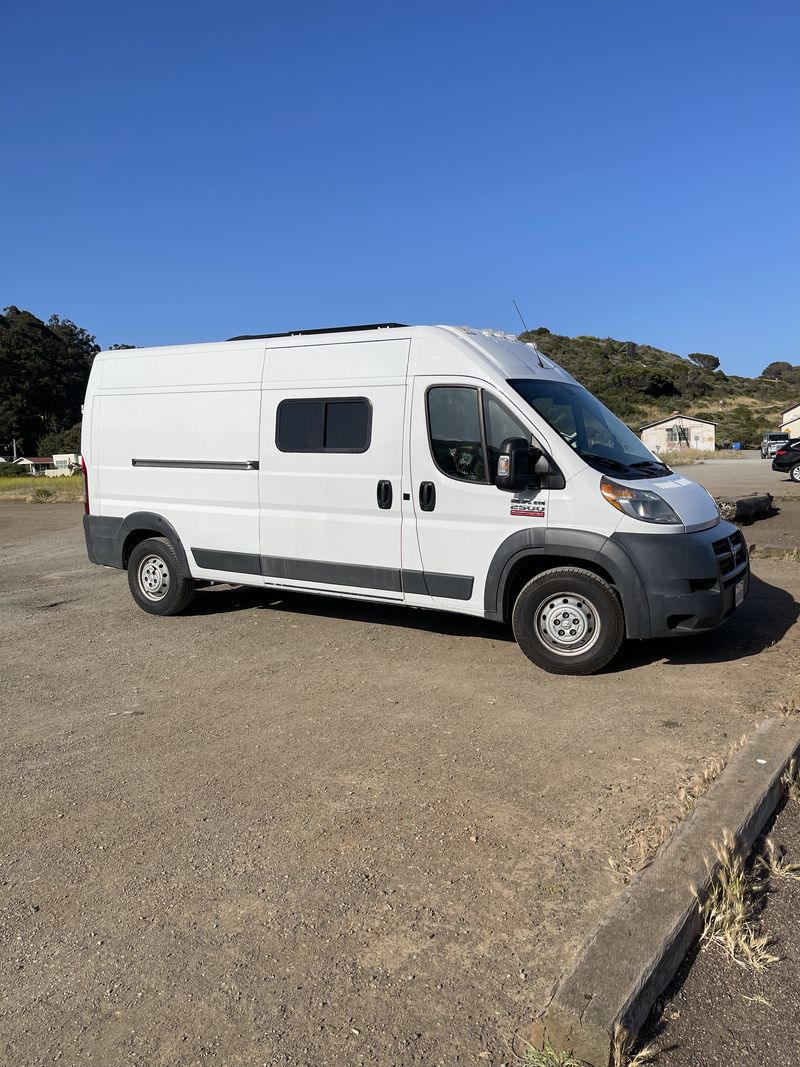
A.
x: 716, y: 1013
x: 740, y: 475
x: 294, y: 830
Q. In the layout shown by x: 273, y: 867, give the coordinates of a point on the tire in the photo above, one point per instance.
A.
x: 794, y: 473
x: 155, y: 580
x: 568, y: 621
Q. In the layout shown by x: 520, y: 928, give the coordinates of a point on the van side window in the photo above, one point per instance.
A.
x: 324, y: 425
x: 454, y: 425
x: 500, y: 424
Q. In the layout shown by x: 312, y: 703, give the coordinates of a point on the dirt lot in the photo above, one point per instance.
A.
x: 740, y: 475
x: 305, y: 831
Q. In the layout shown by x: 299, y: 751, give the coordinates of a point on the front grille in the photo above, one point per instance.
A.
x: 731, y: 552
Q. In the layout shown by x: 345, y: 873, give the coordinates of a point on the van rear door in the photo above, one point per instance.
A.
x: 331, y: 467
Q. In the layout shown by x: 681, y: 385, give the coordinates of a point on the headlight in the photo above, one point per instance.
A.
x: 641, y: 504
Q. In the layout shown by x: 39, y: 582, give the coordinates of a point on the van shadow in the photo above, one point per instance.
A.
x: 764, y: 618
x: 224, y: 598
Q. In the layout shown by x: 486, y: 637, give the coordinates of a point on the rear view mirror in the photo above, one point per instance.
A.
x: 514, y: 464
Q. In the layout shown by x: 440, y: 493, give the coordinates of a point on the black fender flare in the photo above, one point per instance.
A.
x: 149, y: 520
x: 570, y: 544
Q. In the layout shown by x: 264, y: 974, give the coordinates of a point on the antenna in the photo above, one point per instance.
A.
x: 536, y: 350
x: 524, y: 324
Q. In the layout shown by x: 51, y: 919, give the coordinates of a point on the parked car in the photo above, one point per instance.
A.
x: 787, y: 459
x: 432, y: 466
x: 771, y: 442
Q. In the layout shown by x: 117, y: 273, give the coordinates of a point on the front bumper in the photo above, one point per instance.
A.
x: 690, y: 580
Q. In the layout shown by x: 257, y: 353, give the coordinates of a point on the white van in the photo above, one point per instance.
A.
x: 432, y: 466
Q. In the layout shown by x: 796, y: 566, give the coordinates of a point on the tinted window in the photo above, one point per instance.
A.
x: 323, y: 425
x: 300, y: 425
x: 455, y: 431
x: 347, y: 425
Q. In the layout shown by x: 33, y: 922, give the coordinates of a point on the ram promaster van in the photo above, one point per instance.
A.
x: 431, y: 466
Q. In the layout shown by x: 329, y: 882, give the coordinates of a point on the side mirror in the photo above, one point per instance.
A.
x: 514, y: 464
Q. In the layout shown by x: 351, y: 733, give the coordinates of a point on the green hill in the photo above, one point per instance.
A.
x: 641, y: 383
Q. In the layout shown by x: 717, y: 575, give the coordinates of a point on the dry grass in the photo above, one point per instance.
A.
x: 688, y: 456
x: 791, y: 782
x: 549, y: 1057
x: 625, y: 1052
x: 772, y: 863
x: 730, y: 912
x: 42, y: 490
x: 646, y: 837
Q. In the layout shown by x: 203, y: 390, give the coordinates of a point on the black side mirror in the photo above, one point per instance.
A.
x: 514, y: 464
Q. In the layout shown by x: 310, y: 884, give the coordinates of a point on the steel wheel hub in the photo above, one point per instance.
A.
x: 153, y: 577
x: 568, y: 624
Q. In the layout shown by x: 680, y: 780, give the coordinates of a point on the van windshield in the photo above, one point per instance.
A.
x: 589, y: 428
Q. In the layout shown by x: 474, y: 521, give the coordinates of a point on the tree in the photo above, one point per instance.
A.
x: 702, y: 359
x: 60, y: 441
x: 43, y: 373
x: 119, y: 348
x: 776, y: 370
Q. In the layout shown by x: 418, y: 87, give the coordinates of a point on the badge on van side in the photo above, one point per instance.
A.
x: 528, y: 507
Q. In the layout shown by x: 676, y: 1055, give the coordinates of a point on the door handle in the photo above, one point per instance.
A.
x: 384, y: 495
x: 427, y: 496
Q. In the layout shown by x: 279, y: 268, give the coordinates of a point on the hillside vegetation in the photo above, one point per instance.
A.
x: 641, y: 384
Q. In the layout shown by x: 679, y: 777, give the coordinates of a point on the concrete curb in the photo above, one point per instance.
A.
x: 634, y: 953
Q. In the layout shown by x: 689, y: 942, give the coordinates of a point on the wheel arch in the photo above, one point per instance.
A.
x: 526, y: 553
x: 140, y: 525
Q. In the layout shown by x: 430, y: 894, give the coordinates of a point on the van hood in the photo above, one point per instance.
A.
x: 693, y: 504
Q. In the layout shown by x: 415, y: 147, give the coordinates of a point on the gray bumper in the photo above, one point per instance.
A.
x: 690, y: 580
x: 102, y: 535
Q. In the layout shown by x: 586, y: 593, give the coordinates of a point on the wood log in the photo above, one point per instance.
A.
x: 745, y: 508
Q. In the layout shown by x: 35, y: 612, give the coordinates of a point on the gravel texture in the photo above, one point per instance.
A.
x: 283, y: 829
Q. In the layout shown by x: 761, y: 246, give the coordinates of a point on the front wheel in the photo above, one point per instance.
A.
x: 155, y: 580
x: 568, y: 621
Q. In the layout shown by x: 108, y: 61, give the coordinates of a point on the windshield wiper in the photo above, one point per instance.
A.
x: 645, y: 463
x: 614, y: 464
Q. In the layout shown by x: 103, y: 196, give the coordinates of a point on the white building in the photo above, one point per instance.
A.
x: 790, y: 421
x: 677, y: 432
x: 65, y: 463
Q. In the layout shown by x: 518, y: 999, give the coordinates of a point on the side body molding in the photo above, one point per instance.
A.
x: 571, y: 545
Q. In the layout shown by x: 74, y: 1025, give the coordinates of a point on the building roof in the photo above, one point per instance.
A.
x: 677, y: 415
x: 793, y: 406
x: 35, y: 459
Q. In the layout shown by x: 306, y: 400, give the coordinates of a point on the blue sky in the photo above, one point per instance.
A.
x: 179, y: 172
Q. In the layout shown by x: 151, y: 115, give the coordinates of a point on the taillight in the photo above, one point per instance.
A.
x: 85, y: 486
x: 782, y: 452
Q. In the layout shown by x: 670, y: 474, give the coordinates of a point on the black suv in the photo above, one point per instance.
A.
x: 787, y: 459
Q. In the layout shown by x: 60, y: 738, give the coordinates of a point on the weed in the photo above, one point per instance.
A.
x: 758, y: 999
x: 624, y: 1054
x: 772, y: 863
x: 791, y: 782
x: 645, y: 839
x: 41, y: 494
x: 549, y: 1057
x: 729, y: 913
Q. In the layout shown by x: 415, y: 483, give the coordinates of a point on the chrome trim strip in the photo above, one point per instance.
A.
x: 200, y: 464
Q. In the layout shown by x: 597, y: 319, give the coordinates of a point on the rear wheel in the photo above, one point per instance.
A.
x: 568, y: 621
x: 795, y: 472
x: 155, y: 580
